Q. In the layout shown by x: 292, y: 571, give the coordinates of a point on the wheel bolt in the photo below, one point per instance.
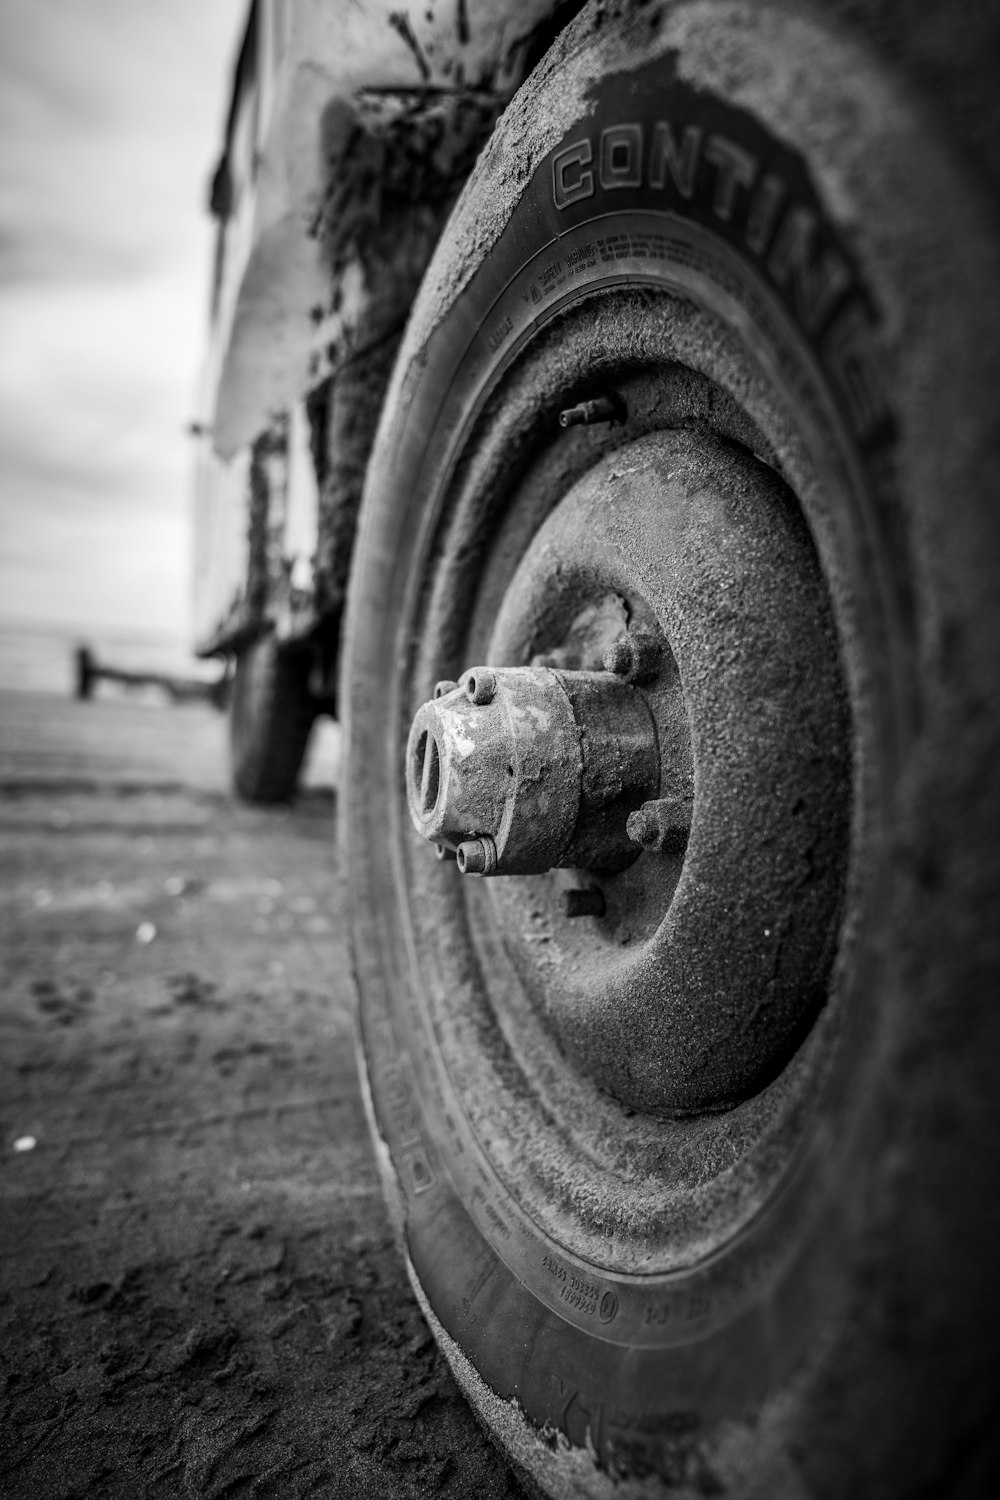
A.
x: 585, y: 413
x: 584, y: 903
x: 661, y: 826
x: 481, y: 685
x: 477, y: 856
x: 634, y: 656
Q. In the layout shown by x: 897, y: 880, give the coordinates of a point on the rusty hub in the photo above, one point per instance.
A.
x: 524, y: 769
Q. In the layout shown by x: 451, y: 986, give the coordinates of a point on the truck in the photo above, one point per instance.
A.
x: 599, y: 419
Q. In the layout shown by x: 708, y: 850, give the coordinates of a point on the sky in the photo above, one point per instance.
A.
x: 111, y: 118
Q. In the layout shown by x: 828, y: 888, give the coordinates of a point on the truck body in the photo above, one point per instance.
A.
x: 350, y: 131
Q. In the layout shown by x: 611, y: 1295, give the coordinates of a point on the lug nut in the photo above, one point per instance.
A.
x: 585, y: 413
x: 477, y: 856
x: 480, y: 685
x: 635, y: 656
x: 584, y: 903
x: 661, y: 826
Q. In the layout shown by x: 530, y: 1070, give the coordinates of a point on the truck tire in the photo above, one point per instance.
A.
x: 270, y: 718
x: 698, y: 1191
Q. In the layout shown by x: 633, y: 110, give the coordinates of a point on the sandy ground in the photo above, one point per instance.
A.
x: 199, y: 1292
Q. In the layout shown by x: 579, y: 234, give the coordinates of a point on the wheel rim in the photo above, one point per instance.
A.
x: 558, y: 1139
x: 679, y: 535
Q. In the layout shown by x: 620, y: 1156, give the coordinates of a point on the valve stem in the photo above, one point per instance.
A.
x: 586, y: 413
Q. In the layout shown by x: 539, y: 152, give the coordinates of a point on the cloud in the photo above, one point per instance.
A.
x: 50, y: 250
x: 151, y: 577
x: 110, y: 117
x: 95, y: 388
x: 111, y: 114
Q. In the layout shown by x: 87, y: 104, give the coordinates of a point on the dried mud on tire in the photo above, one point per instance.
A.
x: 199, y: 1293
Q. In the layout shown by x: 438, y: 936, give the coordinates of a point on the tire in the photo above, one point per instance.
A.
x: 697, y: 1194
x: 270, y: 718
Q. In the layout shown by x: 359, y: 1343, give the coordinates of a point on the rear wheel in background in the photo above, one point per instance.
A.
x: 693, y: 1175
x: 271, y: 716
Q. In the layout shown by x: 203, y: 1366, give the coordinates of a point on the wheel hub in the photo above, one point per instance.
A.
x: 703, y: 782
x: 523, y: 769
